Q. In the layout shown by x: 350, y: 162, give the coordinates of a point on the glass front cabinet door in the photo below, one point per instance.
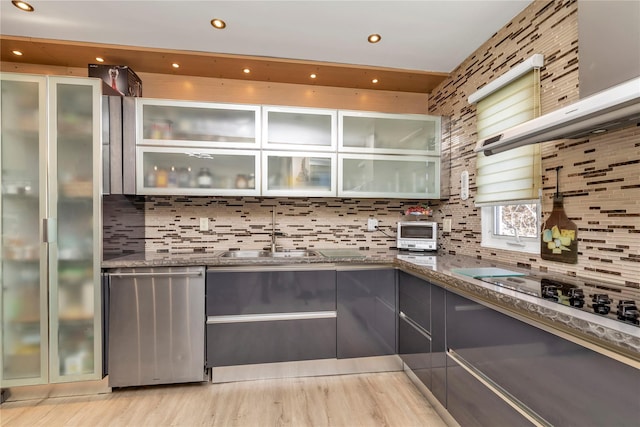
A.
x: 306, y: 129
x: 369, y: 175
x: 50, y: 226
x: 199, y: 172
x: 75, y: 205
x: 23, y: 268
x: 197, y: 124
x: 298, y: 173
x: 368, y: 132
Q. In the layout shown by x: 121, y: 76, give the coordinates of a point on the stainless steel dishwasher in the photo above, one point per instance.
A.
x: 156, y: 326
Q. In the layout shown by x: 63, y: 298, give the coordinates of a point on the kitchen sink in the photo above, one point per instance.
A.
x: 287, y: 253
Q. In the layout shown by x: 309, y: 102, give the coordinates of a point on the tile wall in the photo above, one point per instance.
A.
x: 600, y: 177
x: 173, y: 223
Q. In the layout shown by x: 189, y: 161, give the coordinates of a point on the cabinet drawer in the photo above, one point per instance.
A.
x: 415, y: 299
x: 260, y: 292
x: 270, y: 341
x: 471, y: 403
x: 414, y: 349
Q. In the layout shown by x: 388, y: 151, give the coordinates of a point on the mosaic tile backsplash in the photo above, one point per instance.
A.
x: 172, y: 223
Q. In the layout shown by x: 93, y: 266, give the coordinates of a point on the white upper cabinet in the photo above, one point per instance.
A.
x: 368, y: 132
x: 197, y: 124
x: 197, y: 171
x: 388, y: 176
x: 289, y: 128
x: 253, y: 150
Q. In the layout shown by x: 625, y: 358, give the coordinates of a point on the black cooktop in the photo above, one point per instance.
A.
x: 595, y: 298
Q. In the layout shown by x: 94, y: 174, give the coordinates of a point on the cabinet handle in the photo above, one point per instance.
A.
x: 270, y: 317
x: 422, y: 331
x: 158, y: 274
x: 49, y: 230
x: 503, y: 394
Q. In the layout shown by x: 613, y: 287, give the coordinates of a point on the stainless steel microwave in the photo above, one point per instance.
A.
x: 417, y: 235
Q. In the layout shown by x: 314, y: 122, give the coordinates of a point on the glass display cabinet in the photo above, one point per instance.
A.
x: 50, y: 152
x: 368, y: 132
x: 305, y: 129
x: 197, y: 124
x: 387, y: 176
x: 299, y: 173
x: 198, y: 172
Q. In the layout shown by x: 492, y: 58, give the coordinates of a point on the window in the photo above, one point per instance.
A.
x: 515, y: 220
x: 509, y: 183
x: 511, y: 226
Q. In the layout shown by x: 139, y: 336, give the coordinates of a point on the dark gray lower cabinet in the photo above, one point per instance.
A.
x: 421, y: 332
x: 270, y: 341
x: 564, y: 383
x: 553, y: 380
x: 366, y: 304
x: 438, y: 344
x: 471, y: 403
x: 414, y: 348
x: 273, y: 315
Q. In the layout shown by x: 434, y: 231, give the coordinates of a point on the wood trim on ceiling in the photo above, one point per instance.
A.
x: 225, y: 66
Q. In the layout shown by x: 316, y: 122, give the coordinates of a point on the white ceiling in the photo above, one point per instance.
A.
x: 426, y: 35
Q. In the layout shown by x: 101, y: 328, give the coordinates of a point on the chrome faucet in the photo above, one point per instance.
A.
x: 273, y: 229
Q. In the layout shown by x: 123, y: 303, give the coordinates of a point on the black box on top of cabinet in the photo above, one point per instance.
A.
x: 120, y: 78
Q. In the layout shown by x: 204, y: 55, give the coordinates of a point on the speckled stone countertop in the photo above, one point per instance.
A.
x: 600, y: 332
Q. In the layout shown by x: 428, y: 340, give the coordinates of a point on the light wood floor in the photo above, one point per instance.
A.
x: 384, y: 399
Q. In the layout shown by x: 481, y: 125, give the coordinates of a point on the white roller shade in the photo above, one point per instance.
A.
x: 513, y: 175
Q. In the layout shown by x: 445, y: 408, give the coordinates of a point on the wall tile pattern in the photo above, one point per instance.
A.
x: 599, y: 176
x: 173, y: 223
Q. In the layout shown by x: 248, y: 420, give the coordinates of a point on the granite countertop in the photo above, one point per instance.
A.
x: 623, y: 339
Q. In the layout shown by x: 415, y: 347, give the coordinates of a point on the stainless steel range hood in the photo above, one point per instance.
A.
x: 609, y: 80
x: 616, y: 107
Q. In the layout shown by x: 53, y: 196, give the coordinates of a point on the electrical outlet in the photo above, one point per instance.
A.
x: 372, y: 224
x: 204, y: 224
x: 446, y: 225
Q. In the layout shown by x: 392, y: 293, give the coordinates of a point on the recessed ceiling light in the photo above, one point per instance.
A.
x: 374, y: 38
x: 16, y: 52
x: 313, y: 76
x: 374, y: 81
x: 23, y: 6
x: 246, y: 70
x: 99, y: 59
x: 218, y: 23
x: 597, y: 131
x: 175, y: 65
